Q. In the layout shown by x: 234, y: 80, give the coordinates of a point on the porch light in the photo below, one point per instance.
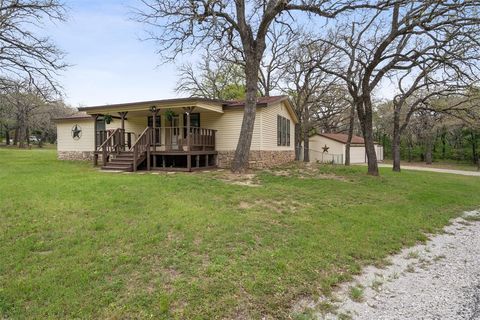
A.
x: 153, y: 108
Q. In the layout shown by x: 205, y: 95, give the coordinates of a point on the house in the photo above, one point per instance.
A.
x: 330, y: 147
x: 176, y: 134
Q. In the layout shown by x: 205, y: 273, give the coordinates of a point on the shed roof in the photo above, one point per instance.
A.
x: 342, y: 138
x: 75, y: 116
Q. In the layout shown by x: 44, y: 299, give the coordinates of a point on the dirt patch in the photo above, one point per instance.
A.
x: 305, y: 171
x: 245, y: 179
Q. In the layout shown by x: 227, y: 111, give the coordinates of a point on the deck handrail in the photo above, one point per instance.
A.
x: 141, y: 146
x: 113, y: 144
x: 102, y: 136
x: 107, y: 140
x: 189, y: 137
x: 140, y: 137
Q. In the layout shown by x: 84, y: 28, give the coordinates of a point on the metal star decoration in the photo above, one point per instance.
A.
x: 76, y: 132
x: 325, y: 149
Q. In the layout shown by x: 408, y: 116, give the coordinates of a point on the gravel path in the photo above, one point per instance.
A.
x: 418, y: 168
x: 438, y: 280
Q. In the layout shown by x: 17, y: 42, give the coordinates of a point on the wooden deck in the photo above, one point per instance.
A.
x: 164, y: 149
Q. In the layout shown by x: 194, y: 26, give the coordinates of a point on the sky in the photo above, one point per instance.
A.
x: 109, y: 61
x: 110, y: 64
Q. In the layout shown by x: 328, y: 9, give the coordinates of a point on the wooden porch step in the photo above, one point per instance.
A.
x: 122, y: 161
x: 117, y: 167
x: 123, y: 158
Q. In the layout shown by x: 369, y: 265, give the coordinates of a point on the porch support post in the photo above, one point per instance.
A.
x: 123, y: 115
x: 95, y: 139
x: 188, y: 131
x: 122, y: 135
x: 188, y: 110
x: 153, y: 137
x: 149, y: 140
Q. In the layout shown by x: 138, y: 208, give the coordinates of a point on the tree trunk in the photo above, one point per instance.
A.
x: 396, y: 141
x: 410, y: 152
x: 428, y: 151
x: 306, y: 146
x: 242, y: 153
x: 298, y: 141
x: 364, y: 109
x: 22, y: 132
x: 444, y: 145
x: 351, y: 124
x: 15, y: 137
x: 27, y: 136
x: 474, y: 147
x: 7, y: 136
x: 306, y: 141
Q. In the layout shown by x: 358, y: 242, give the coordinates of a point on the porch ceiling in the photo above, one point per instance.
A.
x: 161, y: 105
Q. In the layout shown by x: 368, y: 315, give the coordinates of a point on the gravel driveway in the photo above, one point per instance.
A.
x: 438, y: 280
x: 418, y: 168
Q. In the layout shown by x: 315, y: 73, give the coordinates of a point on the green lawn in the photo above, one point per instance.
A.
x: 78, y: 243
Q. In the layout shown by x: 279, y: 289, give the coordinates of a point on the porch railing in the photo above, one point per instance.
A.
x: 114, y: 143
x: 103, y: 135
x: 182, y: 138
x: 141, y: 148
x: 200, y: 137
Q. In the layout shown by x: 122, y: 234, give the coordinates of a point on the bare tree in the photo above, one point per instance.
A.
x: 213, y: 78
x: 241, y: 25
x: 281, y: 40
x: 391, y: 40
x: 313, y: 91
x: 351, y: 124
x: 24, y: 100
x: 23, y: 53
x: 7, y: 120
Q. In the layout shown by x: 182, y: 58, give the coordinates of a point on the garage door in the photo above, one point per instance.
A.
x: 357, y: 155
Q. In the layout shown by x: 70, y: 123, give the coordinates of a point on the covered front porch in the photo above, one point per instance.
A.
x: 165, y: 137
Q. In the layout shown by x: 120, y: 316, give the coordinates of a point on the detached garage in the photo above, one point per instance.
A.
x: 330, y: 148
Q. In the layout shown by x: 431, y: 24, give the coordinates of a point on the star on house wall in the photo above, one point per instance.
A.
x: 325, y: 149
x: 76, y: 132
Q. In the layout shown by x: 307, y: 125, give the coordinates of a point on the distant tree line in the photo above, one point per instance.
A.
x: 30, y: 95
x: 446, y: 129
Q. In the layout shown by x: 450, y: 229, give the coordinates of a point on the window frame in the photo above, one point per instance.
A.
x: 283, y: 131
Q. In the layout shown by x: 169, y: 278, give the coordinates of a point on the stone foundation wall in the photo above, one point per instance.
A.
x: 75, y: 155
x: 258, y: 159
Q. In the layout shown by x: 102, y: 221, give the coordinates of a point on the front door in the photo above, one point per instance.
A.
x: 100, y: 131
x: 156, y: 136
x: 173, y: 133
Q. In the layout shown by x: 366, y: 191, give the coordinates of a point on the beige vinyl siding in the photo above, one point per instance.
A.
x: 228, y: 127
x: 132, y: 124
x: 357, y: 154
x: 318, y: 142
x: 379, y: 151
x: 65, y: 141
x: 268, y: 117
x: 227, y: 124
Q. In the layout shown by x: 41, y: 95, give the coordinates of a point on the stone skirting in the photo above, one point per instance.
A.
x: 258, y: 159
x: 75, y: 155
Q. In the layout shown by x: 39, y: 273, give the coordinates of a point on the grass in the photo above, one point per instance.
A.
x: 78, y: 243
x: 356, y: 293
